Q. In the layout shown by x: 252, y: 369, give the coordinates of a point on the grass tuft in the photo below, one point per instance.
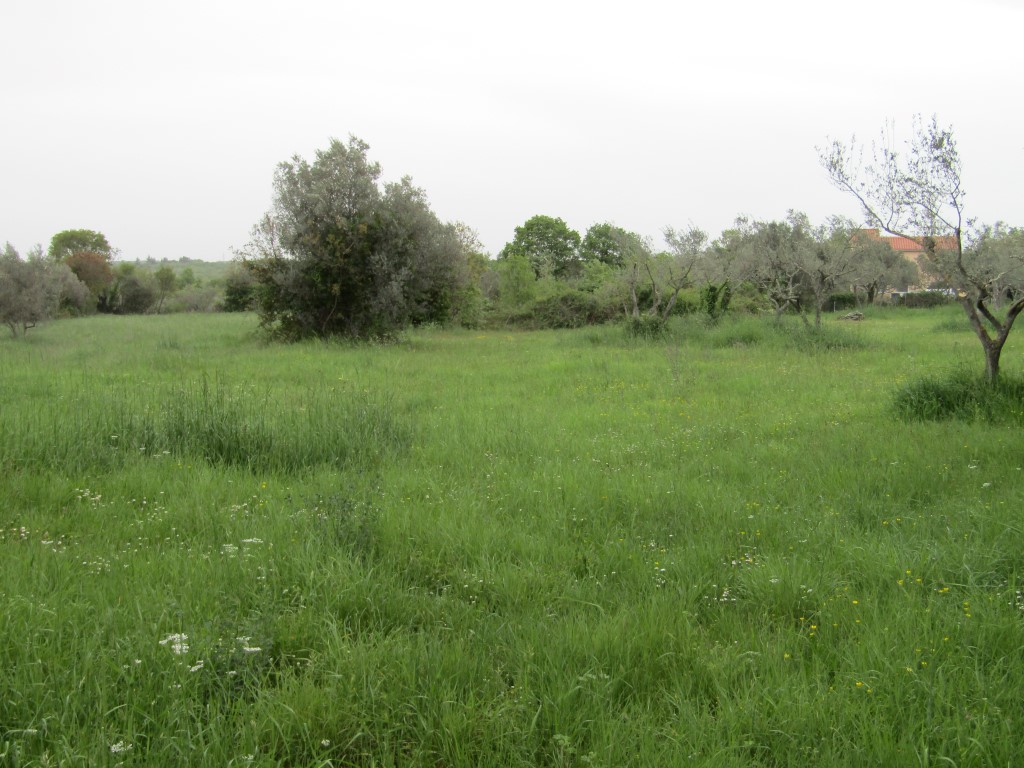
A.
x: 962, y: 395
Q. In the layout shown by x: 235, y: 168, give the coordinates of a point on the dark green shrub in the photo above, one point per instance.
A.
x: 961, y: 395
x: 645, y: 327
x: 688, y: 302
x: 841, y: 301
x: 714, y: 299
x: 135, y: 295
x: 570, y: 309
x: 923, y: 299
x: 470, y: 307
x: 239, y: 291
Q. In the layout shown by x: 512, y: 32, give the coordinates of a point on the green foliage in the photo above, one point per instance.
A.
x: 565, y: 309
x: 714, y: 299
x: 840, y: 301
x: 611, y: 246
x: 72, y: 241
x: 239, y: 290
x: 923, y: 299
x: 517, y: 281
x: 470, y: 307
x: 341, y: 256
x: 962, y: 396
x: 133, y: 293
x: 646, y: 327
x: 550, y: 246
x: 93, y: 269
x: 33, y: 290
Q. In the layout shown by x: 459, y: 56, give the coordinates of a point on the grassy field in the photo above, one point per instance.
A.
x: 507, y: 549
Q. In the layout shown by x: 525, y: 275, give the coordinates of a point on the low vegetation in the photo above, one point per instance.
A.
x: 719, y: 546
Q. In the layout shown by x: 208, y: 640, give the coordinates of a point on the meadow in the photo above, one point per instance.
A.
x: 500, y: 548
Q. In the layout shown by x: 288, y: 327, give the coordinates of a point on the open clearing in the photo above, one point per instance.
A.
x: 504, y: 548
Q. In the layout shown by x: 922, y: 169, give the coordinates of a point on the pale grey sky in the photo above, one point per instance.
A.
x: 160, y: 125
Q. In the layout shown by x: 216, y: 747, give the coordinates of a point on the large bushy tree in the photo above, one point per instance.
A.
x: 32, y: 289
x: 660, y: 278
x: 550, y: 245
x: 918, y: 193
x: 611, y: 245
x: 341, y: 254
x: 771, y: 255
x: 72, y: 241
x: 93, y: 269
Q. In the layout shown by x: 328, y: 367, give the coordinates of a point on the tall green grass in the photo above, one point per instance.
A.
x: 203, y: 420
x: 717, y: 548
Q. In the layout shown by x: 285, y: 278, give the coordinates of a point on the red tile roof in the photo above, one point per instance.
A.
x: 909, y: 244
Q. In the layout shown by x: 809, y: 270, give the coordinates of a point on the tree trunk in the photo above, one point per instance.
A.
x: 992, y: 353
x: 978, y: 313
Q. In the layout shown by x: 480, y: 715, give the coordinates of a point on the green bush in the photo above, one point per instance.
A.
x: 570, y: 309
x: 688, y: 302
x: 645, y: 327
x: 714, y: 299
x: 963, y: 396
x: 841, y: 301
x: 239, y: 290
x: 923, y: 299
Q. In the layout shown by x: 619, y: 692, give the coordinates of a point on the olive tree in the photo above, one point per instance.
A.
x: 661, y: 276
x: 770, y: 255
x: 919, y: 194
x: 32, y: 289
x: 341, y: 254
x: 876, y: 266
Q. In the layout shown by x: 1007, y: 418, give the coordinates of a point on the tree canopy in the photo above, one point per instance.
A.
x: 32, y: 289
x: 341, y: 254
x: 611, y: 245
x: 549, y: 244
x: 72, y: 241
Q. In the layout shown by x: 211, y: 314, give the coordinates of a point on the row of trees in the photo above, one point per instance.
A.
x: 791, y: 264
x: 78, y: 275
x: 340, y: 253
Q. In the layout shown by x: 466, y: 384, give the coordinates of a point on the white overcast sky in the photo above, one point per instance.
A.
x: 160, y: 124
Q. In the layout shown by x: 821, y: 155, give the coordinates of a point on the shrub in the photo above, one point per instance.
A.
x: 645, y: 327
x: 688, y: 302
x: 962, y: 396
x: 714, y: 299
x: 569, y: 309
x: 239, y: 290
x: 840, y: 301
x: 923, y: 299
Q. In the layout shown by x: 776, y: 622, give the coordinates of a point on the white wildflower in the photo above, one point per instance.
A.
x: 178, y: 643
